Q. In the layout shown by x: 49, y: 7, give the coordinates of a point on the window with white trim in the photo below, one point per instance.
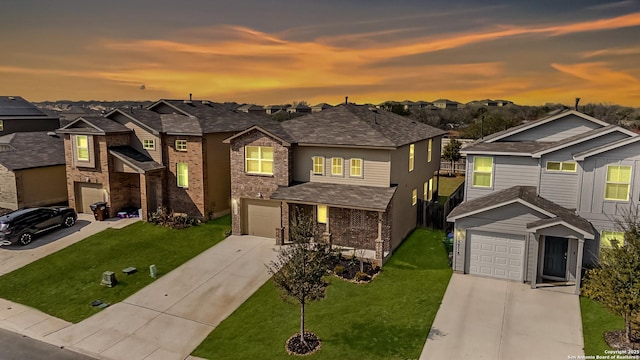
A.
x: 618, y: 183
x: 182, y: 174
x: 562, y: 166
x: 610, y: 239
x: 181, y: 145
x: 259, y: 160
x: 355, y: 168
x: 412, y: 149
x: 149, y: 144
x: 336, y: 166
x: 429, y: 149
x: 82, y: 147
x: 318, y: 165
x: 482, y: 171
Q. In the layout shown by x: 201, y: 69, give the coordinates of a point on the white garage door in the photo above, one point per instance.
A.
x: 263, y: 217
x: 497, y: 255
x: 87, y: 194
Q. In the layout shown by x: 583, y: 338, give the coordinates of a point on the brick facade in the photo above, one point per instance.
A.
x: 189, y: 200
x: 248, y: 186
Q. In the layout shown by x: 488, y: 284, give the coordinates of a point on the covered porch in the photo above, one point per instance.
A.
x: 354, y: 218
x: 560, y: 251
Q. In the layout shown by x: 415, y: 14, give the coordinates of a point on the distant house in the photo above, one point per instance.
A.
x: 489, y: 103
x: 300, y: 109
x: 320, y: 107
x: 170, y: 154
x: 447, y: 104
x: 360, y: 172
x: 252, y: 109
x: 272, y: 109
x: 19, y: 115
x: 32, y: 170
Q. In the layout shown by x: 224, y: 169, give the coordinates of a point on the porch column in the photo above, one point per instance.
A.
x: 144, y: 206
x: 579, y: 266
x: 379, y: 242
x: 534, y: 278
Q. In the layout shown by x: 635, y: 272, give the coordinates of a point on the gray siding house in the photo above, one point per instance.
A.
x: 359, y: 171
x: 542, y: 198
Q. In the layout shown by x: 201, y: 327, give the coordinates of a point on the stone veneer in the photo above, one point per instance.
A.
x: 247, y: 186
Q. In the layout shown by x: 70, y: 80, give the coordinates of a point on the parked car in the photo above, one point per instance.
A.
x: 22, y: 225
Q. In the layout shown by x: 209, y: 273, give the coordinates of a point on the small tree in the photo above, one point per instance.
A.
x: 615, y: 282
x: 451, y: 153
x: 299, y: 269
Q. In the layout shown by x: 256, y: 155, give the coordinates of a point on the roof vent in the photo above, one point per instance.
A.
x: 11, y: 98
x: 52, y: 134
x: 375, y: 110
x: 206, y: 102
x: 187, y: 102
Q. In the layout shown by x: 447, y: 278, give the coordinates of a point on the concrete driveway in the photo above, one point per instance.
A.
x: 498, y: 320
x: 169, y: 318
x: 14, y: 256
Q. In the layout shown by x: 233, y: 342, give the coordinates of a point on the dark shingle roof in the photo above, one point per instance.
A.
x: 525, y: 147
x: 25, y: 150
x: 135, y: 159
x: 349, y: 196
x: 94, y: 125
x: 357, y: 125
x: 527, y: 194
x: 11, y: 106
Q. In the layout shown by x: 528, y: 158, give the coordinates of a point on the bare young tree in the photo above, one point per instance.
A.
x: 300, y: 267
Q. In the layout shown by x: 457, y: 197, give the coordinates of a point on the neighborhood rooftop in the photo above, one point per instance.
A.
x: 25, y: 150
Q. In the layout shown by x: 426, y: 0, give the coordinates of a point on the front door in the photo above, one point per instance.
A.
x: 555, y: 257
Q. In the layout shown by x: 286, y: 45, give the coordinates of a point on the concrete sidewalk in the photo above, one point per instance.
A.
x: 14, y: 257
x: 491, y: 319
x: 168, y: 318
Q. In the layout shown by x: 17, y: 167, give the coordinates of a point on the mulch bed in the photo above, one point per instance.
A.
x: 617, y: 340
x: 351, y: 269
x: 296, y: 347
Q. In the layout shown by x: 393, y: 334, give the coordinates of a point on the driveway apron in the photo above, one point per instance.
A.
x: 169, y: 318
x: 492, y: 319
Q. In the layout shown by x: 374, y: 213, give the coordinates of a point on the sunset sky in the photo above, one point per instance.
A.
x: 278, y: 51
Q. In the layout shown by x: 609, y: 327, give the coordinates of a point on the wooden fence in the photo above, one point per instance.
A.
x: 434, y: 214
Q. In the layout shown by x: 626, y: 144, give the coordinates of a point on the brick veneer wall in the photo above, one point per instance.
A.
x: 249, y: 186
x: 190, y: 200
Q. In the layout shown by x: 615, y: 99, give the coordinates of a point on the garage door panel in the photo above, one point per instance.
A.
x: 87, y: 194
x: 496, y: 255
x: 263, y: 217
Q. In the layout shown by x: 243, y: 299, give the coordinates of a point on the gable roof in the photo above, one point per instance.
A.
x: 147, y: 119
x: 93, y: 125
x: 527, y: 196
x: 520, y: 128
x: 25, y: 150
x: 604, y: 148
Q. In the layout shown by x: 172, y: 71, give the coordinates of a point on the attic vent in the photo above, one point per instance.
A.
x: 206, y: 102
x: 52, y: 134
x: 11, y: 98
x: 375, y: 110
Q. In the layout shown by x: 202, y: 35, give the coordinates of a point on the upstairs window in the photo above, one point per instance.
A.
x: 618, y: 183
x: 149, y: 144
x: 414, y: 197
x: 1, y: 125
x: 412, y: 149
x: 259, y: 160
x: 356, y: 168
x: 318, y: 165
x: 429, y: 149
x: 82, y: 147
x: 564, y: 166
x: 181, y: 145
x: 182, y: 174
x: 322, y: 214
x: 428, y: 190
x: 336, y: 166
x: 610, y: 238
x: 482, y: 171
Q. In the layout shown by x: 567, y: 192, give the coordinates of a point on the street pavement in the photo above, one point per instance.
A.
x: 19, y: 347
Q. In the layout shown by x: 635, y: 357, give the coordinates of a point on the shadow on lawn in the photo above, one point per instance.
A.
x: 376, y: 339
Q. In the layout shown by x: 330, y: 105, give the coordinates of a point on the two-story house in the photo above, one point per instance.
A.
x: 543, y: 197
x: 357, y: 170
x: 169, y: 154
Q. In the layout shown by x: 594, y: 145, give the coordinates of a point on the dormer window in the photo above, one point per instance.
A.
x: 149, y: 144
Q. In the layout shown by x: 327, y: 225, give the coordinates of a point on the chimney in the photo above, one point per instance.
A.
x: 577, y: 101
x: 346, y: 100
x: 190, y: 97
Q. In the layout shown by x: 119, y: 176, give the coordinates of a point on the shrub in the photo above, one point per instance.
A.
x: 339, y: 269
x: 362, y: 276
x: 165, y: 217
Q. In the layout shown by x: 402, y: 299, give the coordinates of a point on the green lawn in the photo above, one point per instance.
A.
x: 386, y: 319
x: 64, y: 284
x: 596, y: 320
x: 447, y: 186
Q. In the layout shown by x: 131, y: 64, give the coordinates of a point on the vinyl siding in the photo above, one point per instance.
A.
x: 218, y: 178
x: 376, y: 167
x: 508, y: 171
x: 555, y: 130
